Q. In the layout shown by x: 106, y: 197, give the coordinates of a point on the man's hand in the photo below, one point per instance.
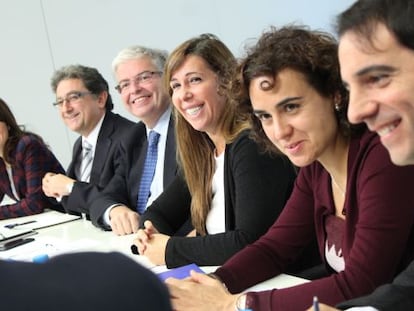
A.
x: 56, y: 185
x: 123, y: 220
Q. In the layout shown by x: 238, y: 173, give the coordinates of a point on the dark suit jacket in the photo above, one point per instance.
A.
x: 113, y: 128
x: 82, y: 281
x: 123, y: 188
x: 397, y: 296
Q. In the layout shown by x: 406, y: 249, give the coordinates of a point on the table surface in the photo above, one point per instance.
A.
x: 81, y: 235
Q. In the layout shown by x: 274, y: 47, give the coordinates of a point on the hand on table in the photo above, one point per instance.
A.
x: 123, y: 220
x: 151, y: 243
x: 200, y: 292
x: 56, y: 185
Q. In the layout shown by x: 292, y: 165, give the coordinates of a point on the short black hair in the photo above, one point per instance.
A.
x: 364, y: 15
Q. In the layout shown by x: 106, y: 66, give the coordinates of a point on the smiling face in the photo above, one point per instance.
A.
x: 380, y: 78
x: 299, y: 121
x: 145, y: 100
x: 195, y: 95
x: 83, y: 114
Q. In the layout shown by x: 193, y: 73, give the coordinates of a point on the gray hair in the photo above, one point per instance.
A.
x: 158, y: 57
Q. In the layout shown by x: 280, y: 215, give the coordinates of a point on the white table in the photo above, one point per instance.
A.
x: 81, y: 235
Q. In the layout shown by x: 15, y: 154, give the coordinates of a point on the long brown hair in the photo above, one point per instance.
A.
x: 195, y: 149
x: 16, y: 132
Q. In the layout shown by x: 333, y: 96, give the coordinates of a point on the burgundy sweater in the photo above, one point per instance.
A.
x: 378, y: 236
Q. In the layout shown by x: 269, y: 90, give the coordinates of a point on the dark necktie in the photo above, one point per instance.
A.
x: 148, y: 172
x: 86, y: 164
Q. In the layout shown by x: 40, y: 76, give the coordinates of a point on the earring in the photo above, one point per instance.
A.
x: 337, y: 103
x: 338, y: 107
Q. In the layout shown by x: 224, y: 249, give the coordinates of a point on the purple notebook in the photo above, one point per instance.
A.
x: 180, y: 272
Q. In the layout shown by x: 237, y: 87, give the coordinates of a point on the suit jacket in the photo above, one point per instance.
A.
x: 397, y: 296
x: 123, y: 188
x: 256, y: 188
x: 33, y: 160
x: 113, y: 128
x: 81, y: 281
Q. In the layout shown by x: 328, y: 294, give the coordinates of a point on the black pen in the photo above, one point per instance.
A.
x: 11, y: 226
x: 315, y: 303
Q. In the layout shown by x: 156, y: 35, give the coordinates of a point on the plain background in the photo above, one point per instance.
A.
x: 39, y: 36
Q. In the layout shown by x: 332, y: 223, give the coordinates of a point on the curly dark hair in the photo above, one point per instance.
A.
x: 312, y: 53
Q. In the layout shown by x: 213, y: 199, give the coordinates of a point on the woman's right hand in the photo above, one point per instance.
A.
x: 144, y: 235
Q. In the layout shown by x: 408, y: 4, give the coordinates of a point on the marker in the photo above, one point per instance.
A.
x: 315, y: 303
x: 11, y: 226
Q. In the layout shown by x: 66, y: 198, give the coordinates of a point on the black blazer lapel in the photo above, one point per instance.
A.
x: 102, y: 148
x: 77, y: 149
x: 170, y: 161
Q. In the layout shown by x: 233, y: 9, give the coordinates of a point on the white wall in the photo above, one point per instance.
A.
x: 39, y: 36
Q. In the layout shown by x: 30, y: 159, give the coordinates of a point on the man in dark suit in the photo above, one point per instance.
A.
x: 376, y: 53
x: 85, y: 105
x: 138, y: 71
x: 82, y: 281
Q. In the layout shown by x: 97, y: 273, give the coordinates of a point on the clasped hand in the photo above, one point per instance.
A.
x: 55, y: 185
x: 151, y: 243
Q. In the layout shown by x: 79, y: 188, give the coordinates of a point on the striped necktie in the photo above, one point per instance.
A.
x: 148, y: 172
x: 86, y: 164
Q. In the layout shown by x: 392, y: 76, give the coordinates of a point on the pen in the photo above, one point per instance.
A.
x: 315, y: 303
x: 11, y: 226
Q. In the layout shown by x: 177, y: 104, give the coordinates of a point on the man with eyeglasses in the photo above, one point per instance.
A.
x: 138, y: 181
x: 85, y: 106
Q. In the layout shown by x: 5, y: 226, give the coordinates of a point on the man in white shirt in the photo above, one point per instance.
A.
x: 138, y: 71
x: 85, y: 105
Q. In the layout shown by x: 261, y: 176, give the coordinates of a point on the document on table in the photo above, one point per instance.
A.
x: 38, y: 221
x: 47, y: 245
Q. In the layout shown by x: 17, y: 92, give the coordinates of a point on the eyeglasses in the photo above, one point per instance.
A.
x: 142, y: 78
x: 70, y: 98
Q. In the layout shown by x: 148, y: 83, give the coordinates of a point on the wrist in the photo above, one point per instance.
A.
x: 242, y: 303
x: 216, y: 277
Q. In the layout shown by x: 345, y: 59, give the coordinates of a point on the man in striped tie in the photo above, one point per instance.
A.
x: 85, y: 105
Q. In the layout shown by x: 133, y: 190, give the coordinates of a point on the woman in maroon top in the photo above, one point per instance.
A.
x: 348, y: 193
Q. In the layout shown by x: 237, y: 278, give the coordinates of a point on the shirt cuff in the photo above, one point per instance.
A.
x: 106, y: 219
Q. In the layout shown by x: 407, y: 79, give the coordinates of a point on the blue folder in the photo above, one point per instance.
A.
x: 180, y: 272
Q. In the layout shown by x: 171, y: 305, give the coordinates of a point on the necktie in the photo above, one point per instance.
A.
x: 148, y: 172
x: 86, y: 164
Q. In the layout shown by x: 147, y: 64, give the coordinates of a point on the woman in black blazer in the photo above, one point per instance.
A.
x: 232, y: 190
